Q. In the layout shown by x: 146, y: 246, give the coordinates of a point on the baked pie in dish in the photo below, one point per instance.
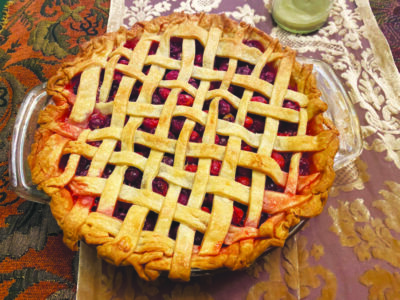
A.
x: 186, y: 142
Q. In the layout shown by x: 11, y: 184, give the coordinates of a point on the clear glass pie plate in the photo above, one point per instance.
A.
x: 341, y: 112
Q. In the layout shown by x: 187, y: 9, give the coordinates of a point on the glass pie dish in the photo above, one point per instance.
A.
x: 340, y: 111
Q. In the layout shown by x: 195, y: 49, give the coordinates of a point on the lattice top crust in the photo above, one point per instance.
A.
x: 187, y: 142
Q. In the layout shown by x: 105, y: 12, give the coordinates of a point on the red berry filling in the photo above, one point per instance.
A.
x: 215, y: 167
x: 73, y: 85
x: 237, y: 217
x: 153, y: 47
x: 279, y: 159
x: 131, y: 44
x: 63, y: 161
x: 83, y: 166
x: 291, y: 105
x: 160, y: 186
x: 151, y: 221
x: 268, y: 73
x: 255, y: 44
x: 287, y: 129
x: 133, y: 177
x: 135, y: 91
x: 98, y: 120
x: 142, y: 150
x: 244, y: 68
x: 168, y: 159
x: 96, y: 204
x: 107, y: 171
x: 198, y: 59
x: 120, y: 210
x: 184, y: 196
x: 176, y: 48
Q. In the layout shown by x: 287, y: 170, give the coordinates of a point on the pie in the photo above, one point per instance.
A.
x: 186, y: 142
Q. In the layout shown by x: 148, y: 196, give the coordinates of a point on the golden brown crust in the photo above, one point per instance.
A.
x: 150, y: 253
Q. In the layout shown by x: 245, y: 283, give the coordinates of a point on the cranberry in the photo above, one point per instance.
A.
x: 133, y: 176
x: 95, y: 204
x: 214, y: 85
x: 206, y: 209
x: 279, y: 159
x: 146, y: 70
x: 246, y: 147
x: 224, y: 107
x: 191, y: 168
x: 199, y: 128
x: 168, y: 160
x: 193, y: 82
x: 83, y: 166
x: 108, y: 170
x: 156, y: 99
x: 150, y: 123
x: 272, y: 186
x: 243, y: 180
x: 291, y: 105
x: 255, y: 44
x: 287, y: 129
x: 237, y: 216
x: 268, y: 74
x: 118, y: 76
x: 153, y: 47
x: 177, y: 124
x: 123, y: 61
x: 195, y: 137
x: 171, y: 135
x: 248, y: 122
x: 98, y: 120
x: 198, y: 60
x: 74, y: 84
x: 131, y: 44
x: 240, y: 171
x: 142, y: 150
x: 215, y: 167
x: 173, y: 230
x: 208, y: 200
x: 304, y: 168
x: 292, y: 87
x: 63, y: 161
x: 121, y: 209
x: 191, y: 160
x: 150, y: 222
x: 244, y: 70
x: 259, y: 99
x: 164, y: 92
x: 264, y: 217
x: 184, y: 197
x: 172, y: 75
x: 258, y: 125
x: 95, y: 143
x: 221, y: 140
x: 135, y: 91
x: 160, y: 186
x: 236, y: 90
x: 118, y: 146
x: 175, y: 47
x: 186, y: 100
x: 198, y: 238
x: 223, y: 63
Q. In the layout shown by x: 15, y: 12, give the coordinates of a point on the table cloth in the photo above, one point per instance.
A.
x: 352, y: 250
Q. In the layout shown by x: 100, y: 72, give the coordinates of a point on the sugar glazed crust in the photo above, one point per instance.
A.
x: 85, y: 205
